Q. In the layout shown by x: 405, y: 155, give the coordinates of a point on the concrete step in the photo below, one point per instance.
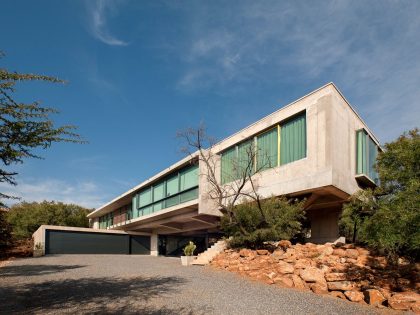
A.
x: 206, y: 257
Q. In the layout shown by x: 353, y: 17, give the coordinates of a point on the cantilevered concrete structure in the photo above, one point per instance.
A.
x: 319, y: 148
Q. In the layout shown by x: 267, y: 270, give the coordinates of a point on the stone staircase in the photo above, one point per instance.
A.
x: 206, y: 257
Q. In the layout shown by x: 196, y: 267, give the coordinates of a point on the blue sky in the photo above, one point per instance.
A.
x: 139, y: 71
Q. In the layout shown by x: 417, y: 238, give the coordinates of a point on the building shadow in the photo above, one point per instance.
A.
x: 91, y: 295
x: 34, y: 270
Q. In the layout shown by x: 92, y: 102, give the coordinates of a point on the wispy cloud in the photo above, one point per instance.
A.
x: 99, y: 11
x: 370, y: 51
x: 84, y: 193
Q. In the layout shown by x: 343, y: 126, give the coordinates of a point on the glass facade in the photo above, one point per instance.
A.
x: 282, y: 144
x: 366, y: 154
x: 178, y: 187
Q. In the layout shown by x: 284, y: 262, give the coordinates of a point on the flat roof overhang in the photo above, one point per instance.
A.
x: 181, y: 220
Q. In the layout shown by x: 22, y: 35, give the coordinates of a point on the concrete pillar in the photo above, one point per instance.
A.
x: 154, y: 244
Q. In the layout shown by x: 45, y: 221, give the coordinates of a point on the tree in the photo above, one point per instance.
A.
x: 278, y: 218
x: 5, y: 230
x: 239, y: 191
x: 392, y: 220
x: 25, y: 127
x: 25, y: 218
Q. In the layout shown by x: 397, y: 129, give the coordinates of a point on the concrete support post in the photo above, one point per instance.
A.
x: 154, y: 241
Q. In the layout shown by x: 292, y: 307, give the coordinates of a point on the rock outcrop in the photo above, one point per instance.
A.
x: 342, y: 271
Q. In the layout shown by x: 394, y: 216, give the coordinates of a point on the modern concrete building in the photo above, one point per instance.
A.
x: 319, y: 149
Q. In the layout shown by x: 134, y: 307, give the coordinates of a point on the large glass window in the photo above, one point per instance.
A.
x: 366, y: 154
x: 293, y: 140
x: 176, y: 188
x: 188, y: 178
x: 271, y: 149
x: 267, y: 149
x: 228, y: 167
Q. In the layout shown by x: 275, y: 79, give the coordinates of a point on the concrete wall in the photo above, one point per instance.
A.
x: 331, y: 149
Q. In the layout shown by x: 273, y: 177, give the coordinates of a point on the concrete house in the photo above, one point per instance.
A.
x: 319, y: 147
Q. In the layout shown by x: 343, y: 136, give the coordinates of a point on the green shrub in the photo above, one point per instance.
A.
x: 251, y: 224
x: 189, y: 249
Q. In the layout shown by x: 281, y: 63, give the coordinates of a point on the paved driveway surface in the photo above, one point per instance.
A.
x: 107, y: 284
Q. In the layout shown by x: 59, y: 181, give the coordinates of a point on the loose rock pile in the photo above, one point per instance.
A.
x: 342, y: 271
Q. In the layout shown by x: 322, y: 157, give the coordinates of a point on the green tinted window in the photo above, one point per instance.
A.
x: 145, y: 198
x: 172, y: 186
x: 267, y: 147
x: 293, y: 140
x: 159, y: 191
x: 228, y: 167
x: 188, y: 178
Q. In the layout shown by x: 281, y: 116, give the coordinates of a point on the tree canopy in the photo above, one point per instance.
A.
x: 25, y: 218
x: 388, y: 218
x: 25, y: 127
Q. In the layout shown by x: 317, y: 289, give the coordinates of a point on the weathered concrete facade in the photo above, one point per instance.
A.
x: 326, y: 176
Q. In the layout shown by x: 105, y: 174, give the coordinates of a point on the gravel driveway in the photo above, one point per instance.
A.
x: 106, y: 284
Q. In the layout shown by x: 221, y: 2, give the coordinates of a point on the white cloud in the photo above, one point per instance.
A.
x: 370, y: 51
x: 85, y: 193
x: 98, y: 22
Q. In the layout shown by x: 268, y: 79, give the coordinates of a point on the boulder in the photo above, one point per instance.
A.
x: 303, y: 263
x: 403, y: 301
x: 336, y: 276
x: 312, y: 274
x: 284, y: 281
x: 298, y: 282
x: 338, y: 294
x: 262, y: 252
x: 354, y: 296
x: 284, y: 244
x: 373, y: 297
x: 284, y: 267
x: 278, y: 254
x: 245, y: 252
x: 415, y: 307
x: 319, y: 287
x: 341, y: 285
x: 339, y: 252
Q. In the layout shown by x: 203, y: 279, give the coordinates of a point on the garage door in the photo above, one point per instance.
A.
x: 139, y: 245
x: 70, y: 242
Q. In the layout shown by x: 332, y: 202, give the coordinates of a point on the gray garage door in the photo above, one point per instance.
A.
x: 72, y: 242
x: 139, y: 245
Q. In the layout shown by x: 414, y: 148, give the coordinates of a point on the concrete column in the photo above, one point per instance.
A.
x: 154, y: 244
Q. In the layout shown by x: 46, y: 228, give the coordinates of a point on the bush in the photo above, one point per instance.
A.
x: 189, y: 249
x: 5, y: 231
x: 25, y: 218
x: 250, y: 224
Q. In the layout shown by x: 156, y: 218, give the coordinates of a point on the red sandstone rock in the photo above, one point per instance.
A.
x: 312, y: 274
x: 341, y: 285
x: 337, y: 294
x: 339, y: 252
x: 284, y: 244
x: 284, y: 267
x: 245, y: 252
x: 403, y: 301
x: 284, y: 281
x: 262, y: 252
x: 298, y: 282
x: 336, y: 276
x: 354, y: 296
x: 303, y: 263
x: 415, y: 307
x: 319, y: 287
x: 278, y: 254
x: 373, y: 297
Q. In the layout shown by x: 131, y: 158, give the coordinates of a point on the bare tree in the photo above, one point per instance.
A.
x: 241, y: 180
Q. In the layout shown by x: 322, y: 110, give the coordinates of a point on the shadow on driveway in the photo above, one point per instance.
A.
x: 34, y: 270
x: 90, y: 295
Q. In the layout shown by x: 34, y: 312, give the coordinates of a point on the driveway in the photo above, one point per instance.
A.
x: 147, y: 285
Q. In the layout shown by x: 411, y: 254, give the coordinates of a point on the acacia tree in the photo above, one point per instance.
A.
x: 261, y: 220
x: 25, y: 127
